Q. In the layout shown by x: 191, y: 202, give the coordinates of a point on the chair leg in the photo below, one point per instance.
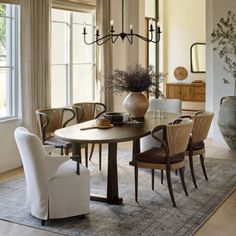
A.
x: 91, y: 152
x: 61, y: 150
x: 168, y: 176
x: 82, y: 216
x: 153, y: 179
x: 203, y: 166
x: 86, y: 155
x: 192, y: 170
x: 43, y: 222
x: 100, y: 156
x: 176, y: 172
x: 66, y: 151
x: 161, y: 176
x: 136, y: 181
x: 181, y: 172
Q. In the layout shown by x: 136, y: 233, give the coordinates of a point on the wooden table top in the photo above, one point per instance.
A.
x: 118, y: 133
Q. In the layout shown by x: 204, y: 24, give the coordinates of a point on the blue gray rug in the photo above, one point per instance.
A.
x: 153, y: 215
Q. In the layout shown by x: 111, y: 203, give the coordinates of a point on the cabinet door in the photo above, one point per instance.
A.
x: 173, y: 91
x: 199, y: 93
x: 186, y: 93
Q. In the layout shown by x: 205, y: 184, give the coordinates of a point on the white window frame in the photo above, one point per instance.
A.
x: 69, y: 56
x: 13, y: 65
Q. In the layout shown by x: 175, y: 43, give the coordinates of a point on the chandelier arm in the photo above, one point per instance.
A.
x: 151, y: 36
x: 116, y: 37
x: 111, y: 37
x: 104, y: 39
x: 130, y: 39
x: 158, y: 38
x: 147, y: 39
x: 142, y: 37
x: 87, y: 42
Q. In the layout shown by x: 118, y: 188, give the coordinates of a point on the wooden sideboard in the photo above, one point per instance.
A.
x: 192, y: 92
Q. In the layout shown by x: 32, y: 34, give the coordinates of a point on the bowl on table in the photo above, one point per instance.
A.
x: 116, y: 117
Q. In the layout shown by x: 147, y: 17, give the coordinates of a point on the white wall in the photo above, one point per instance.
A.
x: 9, y: 156
x: 215, y: 72
x: 183, y: 24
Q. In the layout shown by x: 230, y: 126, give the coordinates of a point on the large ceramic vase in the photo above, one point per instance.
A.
x: 136, y: 104
x: 227, y: 120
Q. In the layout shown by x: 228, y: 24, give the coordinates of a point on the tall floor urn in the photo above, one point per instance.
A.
x: 227, y: 120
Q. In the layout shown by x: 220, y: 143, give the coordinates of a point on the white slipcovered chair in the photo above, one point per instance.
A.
x: 53, y: 187
x: 167, y: 105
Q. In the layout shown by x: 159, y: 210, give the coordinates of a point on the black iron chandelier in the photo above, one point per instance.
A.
x: 129, y: 36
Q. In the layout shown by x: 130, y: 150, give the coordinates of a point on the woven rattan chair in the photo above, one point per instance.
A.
x: 169, y: 156
x: 202, y: 122
x: 86, y: 111
x: 51, y: 119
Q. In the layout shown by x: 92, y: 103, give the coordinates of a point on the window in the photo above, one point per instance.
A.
x: 9, y: 32
x: 73, y: 62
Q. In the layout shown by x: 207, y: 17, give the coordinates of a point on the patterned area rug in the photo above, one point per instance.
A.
x: 153, y: 215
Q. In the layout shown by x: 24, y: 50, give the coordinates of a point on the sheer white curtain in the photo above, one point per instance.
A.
x: 35, y: 59
x: 104, y: 52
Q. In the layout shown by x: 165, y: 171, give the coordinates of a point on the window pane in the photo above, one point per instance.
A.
x: 58, y: 86
x: 59, y: 15
x: 9, y: 23
x: 77, y: 81
x: 80, y: 17
x: 83, y: 84
x: 60, y: 43
x: 3, y: 39
x: 4, y: 92
x: 82, y: 53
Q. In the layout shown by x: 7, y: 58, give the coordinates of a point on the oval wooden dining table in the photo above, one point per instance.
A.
x: 112, y: 136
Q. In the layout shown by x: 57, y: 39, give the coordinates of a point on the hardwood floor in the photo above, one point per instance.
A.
x: 221, y: 222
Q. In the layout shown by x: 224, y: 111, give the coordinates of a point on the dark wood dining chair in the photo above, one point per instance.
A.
x: 86, y: 111
x: 51, y: 119
x: 196, y: 147
x: 169, y: 156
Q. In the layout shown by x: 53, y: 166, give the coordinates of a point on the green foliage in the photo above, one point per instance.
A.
x: 224, y: 38
x: 2, y: 25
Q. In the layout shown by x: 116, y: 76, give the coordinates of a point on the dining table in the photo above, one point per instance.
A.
x: 78, y: 134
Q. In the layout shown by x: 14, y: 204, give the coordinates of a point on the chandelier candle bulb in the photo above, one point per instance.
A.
x: 112, y: 23
x: 84, y: 28
x: 158, y: 27
x: 151, y: 28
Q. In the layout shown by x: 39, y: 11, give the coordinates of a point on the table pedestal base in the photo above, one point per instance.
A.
x: 101, y: 198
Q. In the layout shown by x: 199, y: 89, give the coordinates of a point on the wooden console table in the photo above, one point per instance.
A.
x: 191, y: 92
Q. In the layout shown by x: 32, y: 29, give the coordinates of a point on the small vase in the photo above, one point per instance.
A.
x: 136, y: 104
x: 227, y: 120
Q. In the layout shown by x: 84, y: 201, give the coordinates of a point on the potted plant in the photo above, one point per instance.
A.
x: 224, y: 38
x: 135, y: 80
